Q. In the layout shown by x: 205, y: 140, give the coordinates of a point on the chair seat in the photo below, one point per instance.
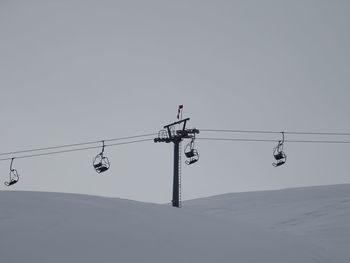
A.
x: 278, y: 163
x: 102, y: 169
x: 192, y: 161
x: 12, y: 182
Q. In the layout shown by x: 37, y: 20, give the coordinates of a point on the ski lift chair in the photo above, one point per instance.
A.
x: 280, y: 157
x: 193, y: 159
x: 278, y: 153
x: 191, y: 153
x: 14, y: 177
x: 101, y: 162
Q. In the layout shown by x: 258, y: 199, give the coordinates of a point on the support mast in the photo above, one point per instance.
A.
x: 170, y: 134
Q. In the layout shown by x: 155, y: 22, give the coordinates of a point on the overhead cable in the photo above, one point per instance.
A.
x: 76, y: 144
x: 275, y: 132
x: 270, y: 140
x: 73, y: 150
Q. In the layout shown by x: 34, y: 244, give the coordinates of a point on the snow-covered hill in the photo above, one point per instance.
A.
x: 318, y: 215
x: 294, y: 225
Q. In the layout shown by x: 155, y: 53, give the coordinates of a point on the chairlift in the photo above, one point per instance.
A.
x: 278, y: 153
x: 14, y: 177
x: 101, y: 162
x: 191, y: 153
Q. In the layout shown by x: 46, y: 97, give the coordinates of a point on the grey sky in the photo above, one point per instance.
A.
x: 76, y: 71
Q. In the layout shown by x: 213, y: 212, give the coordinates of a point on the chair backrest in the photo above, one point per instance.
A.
x: 97, y: 165
x: 190, y: 153
x: 279, y: 156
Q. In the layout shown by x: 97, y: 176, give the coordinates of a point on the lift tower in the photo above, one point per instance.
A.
x: 170, y: 134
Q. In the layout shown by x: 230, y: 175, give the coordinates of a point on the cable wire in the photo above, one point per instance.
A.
x: 152, y: 134
x: 270, y: 140
x: 275, y: 132
x: 76, y: 144
x: 73, y: 150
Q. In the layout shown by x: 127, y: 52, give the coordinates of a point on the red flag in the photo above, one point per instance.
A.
x: 179, y: 111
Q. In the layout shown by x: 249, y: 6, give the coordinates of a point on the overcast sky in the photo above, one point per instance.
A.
x: 77, y: 71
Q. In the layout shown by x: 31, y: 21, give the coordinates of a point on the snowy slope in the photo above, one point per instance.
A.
x: 320, y: 215
x: 50, y: 227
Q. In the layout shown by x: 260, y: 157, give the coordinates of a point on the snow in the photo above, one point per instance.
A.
x: 318, y: 215
x: 293, y: 225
